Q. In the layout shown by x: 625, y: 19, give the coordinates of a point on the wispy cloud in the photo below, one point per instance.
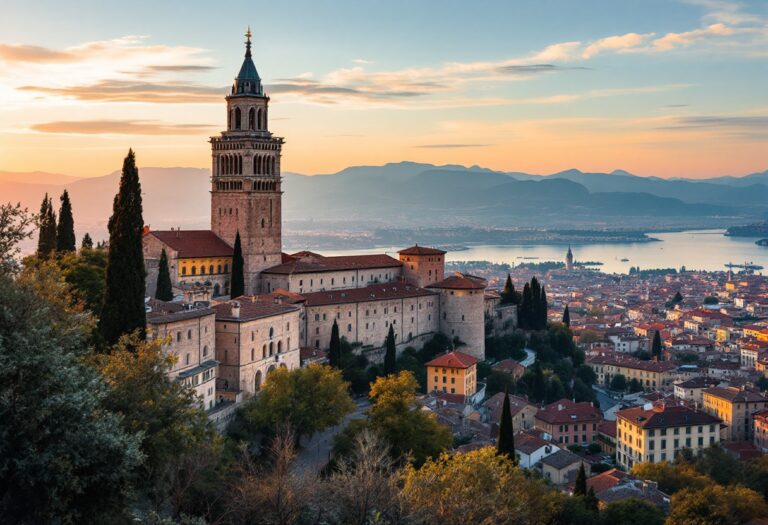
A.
x: 121, y: 127
x: 451, y: 146
x: 129, y: 91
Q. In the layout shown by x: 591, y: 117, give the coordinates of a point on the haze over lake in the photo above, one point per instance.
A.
x: 696, y: 250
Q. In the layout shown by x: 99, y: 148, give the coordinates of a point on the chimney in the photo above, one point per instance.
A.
x: 559, y: 407
x: 235, y: 309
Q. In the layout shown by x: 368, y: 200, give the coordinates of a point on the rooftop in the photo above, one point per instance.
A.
x: 661, y: 415
x: 309, y: 262
x: 193, y: 243
x: 735, y: 395
x: 251, y: 308
x: 566, y: 411
x: 165, y: 312
x: 453, y: 359
x: 375, y: 292
x: 421, y: 250
x: 461, y: 281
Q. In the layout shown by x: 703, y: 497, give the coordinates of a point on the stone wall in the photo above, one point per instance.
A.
x: 462, y: 315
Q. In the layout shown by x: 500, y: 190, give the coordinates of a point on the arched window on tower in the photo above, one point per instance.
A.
x: 229, y: 119
x: 251, y: 118
x: 239, y: 164
x: 238, y: 118
x: 260, y: 126
x: 263, y: 118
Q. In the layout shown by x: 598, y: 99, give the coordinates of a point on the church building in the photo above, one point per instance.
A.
x: 292, y: 300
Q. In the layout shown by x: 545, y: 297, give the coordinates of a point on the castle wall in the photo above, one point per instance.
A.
x: 462, y: 315
x: 423, y: 270
x: 321, y: 281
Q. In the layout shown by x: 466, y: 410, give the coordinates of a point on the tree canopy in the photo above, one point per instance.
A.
x: 65, y: 231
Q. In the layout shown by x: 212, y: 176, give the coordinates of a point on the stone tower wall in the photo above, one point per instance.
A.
x: 462, y: 315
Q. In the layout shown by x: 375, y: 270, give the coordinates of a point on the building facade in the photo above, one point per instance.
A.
x: 652, y: 375
x: 453, y: 373
x: 735, y: 407
x: 570, y: 423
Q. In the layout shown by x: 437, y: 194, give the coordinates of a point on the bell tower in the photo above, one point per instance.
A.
x: 245, y: 183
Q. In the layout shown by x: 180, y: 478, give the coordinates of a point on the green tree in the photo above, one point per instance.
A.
x: 635, y: 385
x: 87, y: 242
x: 580, y: 487
x: 525, y: 309
x: 123, y: 310
x: 334, y: 348
x: 711, y: 300
x: 237, y: 280
x: 582, y: 392
x: 509, y: 295
x: 63, y: 457
x: 555, y: 389
x: 539, y: 385
x: 656, y: 346
x: 46, y: 224
x: 307, y: 399
x: 390, y: 356
x: 506, y: 442
x: 716, y: 505
x: 542, y: 309
x: 586, y: 374
x: 632, y: 511
x: 498, y: 381
x: 15, y: 226
x: 618, y: 383
x: 671, y: 478
x: 591, y: 501
x: 678, y: 298
x: 567, y: 317
x: 166, y: 413
x: 65, y: 231
x: 164, y: 290
x: 85, y: 272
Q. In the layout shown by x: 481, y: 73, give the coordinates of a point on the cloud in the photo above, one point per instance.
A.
x: 740, y: 126
x: 362, y: 61
x: 449, y: 146
x: 615, y: 43
x: 673, y: 40
x: 25, y: 53
x: 121, y: 127
x: 128, y: 91
x: 183, y: 68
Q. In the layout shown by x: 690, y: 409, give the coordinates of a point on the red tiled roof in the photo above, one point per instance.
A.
x: 735, y: 395
x: 309, y: 262
x: 529, y: 443
x: 566, y: 411
x: 496, y: 401
x: 453, y: 359
x: 193, y: 243
x: 607, y: 480
x: 252, y: 307
x: 460, y: 281
x: 375, y: 292
x: 665, y: 416
x: 608, y: 428
x: 421, y: 250
x: 631, y: 362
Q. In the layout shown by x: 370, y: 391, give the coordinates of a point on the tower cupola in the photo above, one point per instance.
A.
x: 248, y: 81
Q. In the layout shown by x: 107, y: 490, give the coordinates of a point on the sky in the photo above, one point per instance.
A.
x: 669, y: 88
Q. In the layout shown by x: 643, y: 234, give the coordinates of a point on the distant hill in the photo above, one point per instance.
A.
x: 409, y: 194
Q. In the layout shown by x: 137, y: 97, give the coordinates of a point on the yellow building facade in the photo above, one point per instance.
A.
x: 453, y: 373
x: 735, y: 408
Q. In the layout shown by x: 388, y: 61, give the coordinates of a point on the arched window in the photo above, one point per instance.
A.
x: 260, y: 126
x: 271, y: 332
x: 259, y: 161
x: 210, y: 269
x: 205, y: 351
x: 229, y: 120
x: 202, y: 270
x: 253, y: 354
x: 279, y: 346
x: 238, y: 118
x: 271, y: 349
x: 251, y: 118
x: 264, y: 351
x: 257, y: 381
x: 263, y: 118
x: 194, y: 270
x: 226, y: 268
x: 239, y: 164
x: 218, y: 269
x: 272, y: 166
x: 262, y: 223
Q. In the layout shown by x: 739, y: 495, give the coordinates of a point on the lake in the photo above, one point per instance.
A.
x: 696, y: 250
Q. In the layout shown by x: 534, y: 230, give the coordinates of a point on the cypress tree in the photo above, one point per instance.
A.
x: 535, y: 309
x: 524, y: 312
x: 567, y: 317
x: 164, y: 291
x: 123, y: 310
x: 656, y: 346
x: 46, y: 222
x: 539, y: 387
x: 237, y: 281
x: 390, y: 356
x: 87, y: 242
x: 506, y: 442
x: 509, y: 294
x: 65, y: 232
x: 580, y: 488
x: 543, y: 307
x: 591, y: 500
x: 334, y: 348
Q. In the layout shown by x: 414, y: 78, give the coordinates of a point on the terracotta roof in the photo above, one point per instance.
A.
x: 495, y: 403
x: 529, y: 443
x: 375, y: 292
x: 561, y: 459
x: 566, y: 411
x: 461, y: 281
x: 193, y: 243
x: 251, y: 308
x: 608, y: 428
x: 309, y: 262
x: 665, y: 416
x: 631, y: 362
x: 735, y: 395
x: 453, y: 359
x: 166, y: 312
x: 421, y: 250
x: 607, y: 480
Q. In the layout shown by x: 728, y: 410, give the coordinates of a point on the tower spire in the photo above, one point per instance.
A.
x: 248, y: 43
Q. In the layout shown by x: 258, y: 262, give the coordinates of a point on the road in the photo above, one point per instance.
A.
x: 316, y: 452
x: 529, y: 359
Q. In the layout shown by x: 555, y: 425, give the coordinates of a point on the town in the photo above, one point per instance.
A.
x: 242, y: 384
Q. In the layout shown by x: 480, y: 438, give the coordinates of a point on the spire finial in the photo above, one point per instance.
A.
x: 248, y: 42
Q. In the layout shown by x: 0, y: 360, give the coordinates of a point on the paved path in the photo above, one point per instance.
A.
x: 316, y: 452
x: 529, y: 358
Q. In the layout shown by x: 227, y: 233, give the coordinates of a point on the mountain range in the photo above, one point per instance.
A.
x: 423, y: 195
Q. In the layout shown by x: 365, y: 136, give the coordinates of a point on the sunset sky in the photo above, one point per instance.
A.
x: 656, y: 87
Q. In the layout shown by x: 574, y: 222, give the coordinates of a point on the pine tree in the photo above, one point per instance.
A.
x: 543, y: 307
x: 567, y: 317
x: 656, y: 346
x: 65, y: 232
x: 237, y: 281
x: 390, y: 356
x: 123, y: 310
x: 580, y: 488
x: 87, y: 242
x: 334, y: 348
x: 164, y: 291
x: 46, y: 241
x: 506, y: 442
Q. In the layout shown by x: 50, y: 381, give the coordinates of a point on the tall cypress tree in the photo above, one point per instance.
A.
x: 567, y: 317
x: 525, y: 310
x: 534, y: 320
x: 390, y: 356
x: 656, y: 346
x: 237, y: 281
x: 334, y: 348
x: 543, y: 307
x: 164, y: 290
x: 591, y: 501
x: 580, y: 488
x: 509, y: 294
x: 124, y: 310
x: 87, y: 242
x: 506, y: 442
x: 65, y: 232
x: 46, y: 223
